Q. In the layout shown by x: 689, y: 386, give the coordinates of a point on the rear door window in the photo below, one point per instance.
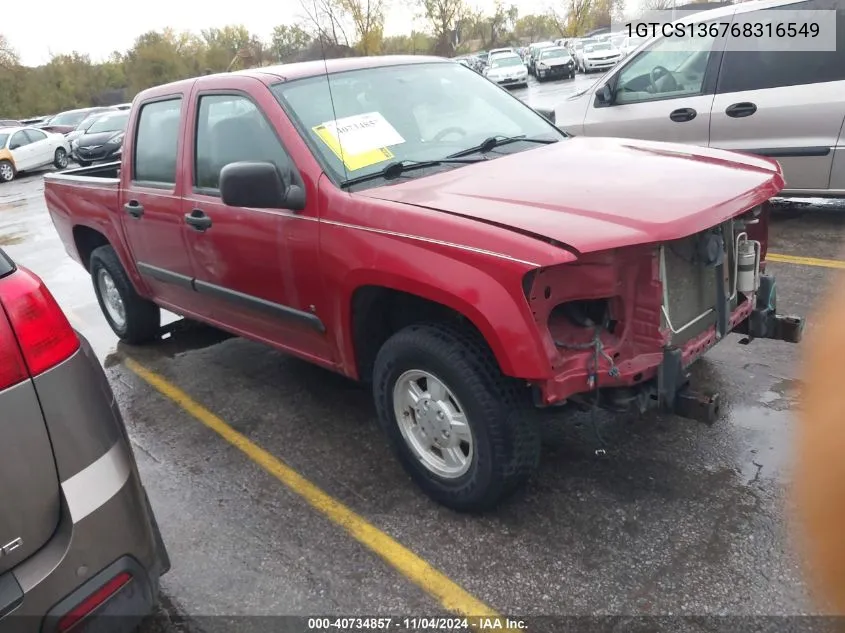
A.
x: 157, y: 142
x: 35, y: 135
x: 19, y: 139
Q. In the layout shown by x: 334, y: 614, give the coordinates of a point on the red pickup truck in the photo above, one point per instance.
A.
x: 407, y: 223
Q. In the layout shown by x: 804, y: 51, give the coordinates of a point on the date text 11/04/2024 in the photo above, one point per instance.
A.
x: 417, y: 624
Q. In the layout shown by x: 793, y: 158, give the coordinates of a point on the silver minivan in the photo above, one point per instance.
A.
x: 784, y: 104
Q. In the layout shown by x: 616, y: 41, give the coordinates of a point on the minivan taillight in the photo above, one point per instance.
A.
x: 44, y: 335
x: 12, y: 368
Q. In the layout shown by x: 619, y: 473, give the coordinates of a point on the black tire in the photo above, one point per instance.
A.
x: 60, y: 158
x: 83, y: 163
x: 506, y: 438
x: 7, y: 171
x: 143, y: 317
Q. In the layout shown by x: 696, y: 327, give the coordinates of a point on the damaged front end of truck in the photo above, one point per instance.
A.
x: 622, y: 327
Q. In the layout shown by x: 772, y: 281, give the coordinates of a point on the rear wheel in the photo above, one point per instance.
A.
x: 133, y: 318
x: 7, y: 171
x: 60, y: 158
x: 460, y: 428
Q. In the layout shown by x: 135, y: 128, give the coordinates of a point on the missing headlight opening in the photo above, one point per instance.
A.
x: 587, y: 313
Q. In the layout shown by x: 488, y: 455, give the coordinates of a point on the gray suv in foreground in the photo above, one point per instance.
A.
x: 79, y: 543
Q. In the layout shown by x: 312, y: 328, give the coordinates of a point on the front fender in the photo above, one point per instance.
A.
x: 493, y: 301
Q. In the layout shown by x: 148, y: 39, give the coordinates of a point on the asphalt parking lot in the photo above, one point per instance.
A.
x: 276, y: 494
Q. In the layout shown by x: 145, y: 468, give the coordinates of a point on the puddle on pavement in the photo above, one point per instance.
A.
x: 178, y: 338
x: 768, y: 452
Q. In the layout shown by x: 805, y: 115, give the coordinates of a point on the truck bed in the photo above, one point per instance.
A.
x: 84, y: 197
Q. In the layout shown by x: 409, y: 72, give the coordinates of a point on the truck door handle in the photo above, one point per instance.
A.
x: 134, y: 208
x: 198, y: 220
x: 740, y: 110
x: 683, y: 114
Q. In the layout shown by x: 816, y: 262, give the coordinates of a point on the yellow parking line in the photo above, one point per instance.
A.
x: 805, y: 261
x: 451, y: 595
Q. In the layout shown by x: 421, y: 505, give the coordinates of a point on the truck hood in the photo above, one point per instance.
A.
x: 593, y: 194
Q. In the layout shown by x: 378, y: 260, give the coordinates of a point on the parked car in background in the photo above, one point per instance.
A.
x: 123, y: 106
x: 507, y: 70
x: 501, y: 51
x: 65, y: 122
x: 34, y: 121
x: 102, y: 141
x: 80, y: 541
x: 10, y: 123
x: 554, y: 63
x: 785, y: 104
x: 443, y: 266
x: 576, y: 47
x: 631, y: 44
x: 80, y: 129
x: 533, y: 50
x: 28, y: 148
x: 599, y: 56
x: 617, y: 40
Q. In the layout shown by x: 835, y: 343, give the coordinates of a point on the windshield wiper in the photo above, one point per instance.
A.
x: 491, y: 143
x: 399, y: 167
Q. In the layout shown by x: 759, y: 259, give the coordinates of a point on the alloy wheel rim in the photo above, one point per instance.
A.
x: 112, y: 301
x: 433, y: 424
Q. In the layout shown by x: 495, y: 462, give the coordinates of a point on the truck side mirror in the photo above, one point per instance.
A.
x: 259, y: 185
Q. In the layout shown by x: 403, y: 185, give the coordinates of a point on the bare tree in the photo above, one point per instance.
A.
x: 8, y: 56
x: 327, y: 20
x: 578, y: 17
x: 657, y: 5
x: 443, y: 16
x: 368, y: 18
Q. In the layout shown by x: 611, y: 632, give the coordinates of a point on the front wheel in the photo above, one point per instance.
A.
x: 60, y: 158
x: 461, y: 429
x: 133, y: 318
x: 83, y: 163
x: 7, y: 171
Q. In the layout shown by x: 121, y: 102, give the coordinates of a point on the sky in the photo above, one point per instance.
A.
x: 98, y: 27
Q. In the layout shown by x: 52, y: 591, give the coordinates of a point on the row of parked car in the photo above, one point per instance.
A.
x: 85, y: 135
x: 558, y: 59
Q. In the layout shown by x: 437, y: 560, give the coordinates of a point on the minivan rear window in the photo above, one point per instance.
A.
x: 761, y: 69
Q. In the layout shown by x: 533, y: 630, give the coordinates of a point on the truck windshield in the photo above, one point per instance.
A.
x: 415, y: 112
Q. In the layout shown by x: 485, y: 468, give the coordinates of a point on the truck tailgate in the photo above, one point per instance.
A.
x: 88, y: 196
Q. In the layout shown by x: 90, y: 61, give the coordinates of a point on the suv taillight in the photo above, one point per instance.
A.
x: 44, y: 335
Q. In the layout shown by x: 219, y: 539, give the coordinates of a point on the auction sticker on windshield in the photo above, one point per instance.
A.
x: 361, y: 140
